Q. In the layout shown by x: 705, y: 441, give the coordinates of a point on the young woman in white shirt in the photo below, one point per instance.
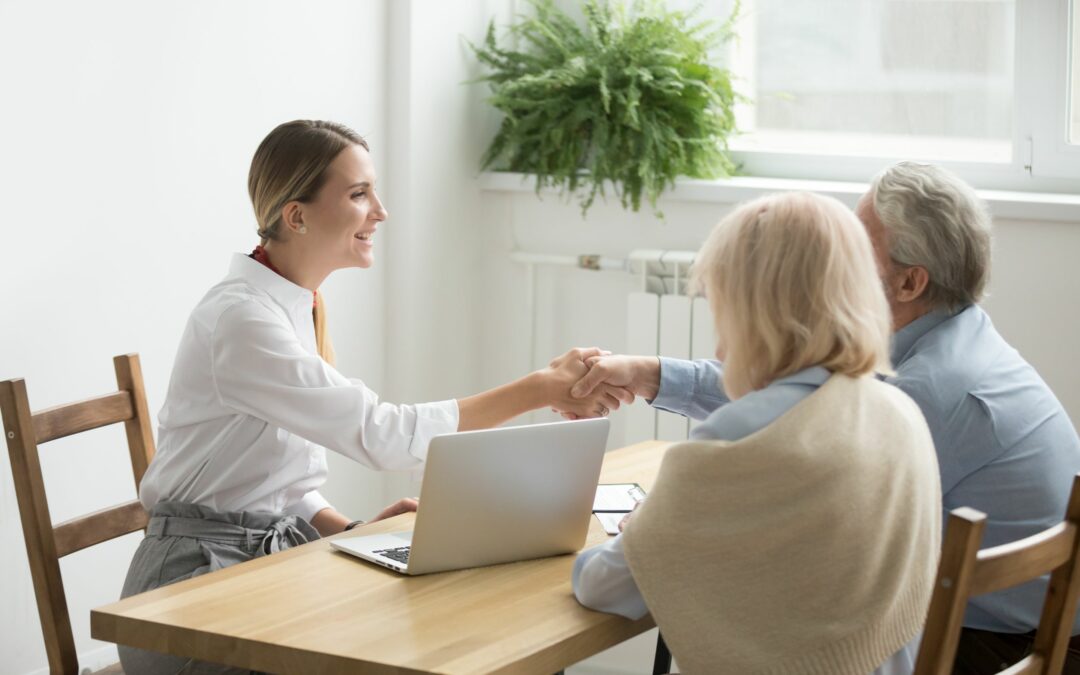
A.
x: 254, y: 399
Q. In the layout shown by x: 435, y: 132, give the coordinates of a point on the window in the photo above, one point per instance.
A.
x: 840, y: 88
x: 861, y: 77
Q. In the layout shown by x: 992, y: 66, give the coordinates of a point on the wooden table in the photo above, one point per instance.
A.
x: 313, y: 610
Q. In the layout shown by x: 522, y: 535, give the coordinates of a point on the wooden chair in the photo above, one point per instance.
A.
x: 46, y: 544
x: 965, y: 571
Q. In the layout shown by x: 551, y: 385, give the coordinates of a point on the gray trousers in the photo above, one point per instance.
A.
x: 186, y: 540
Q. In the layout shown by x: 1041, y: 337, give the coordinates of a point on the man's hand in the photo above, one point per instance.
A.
x: 399, y: 507
x: 567, y: 370
x: 640, y: 375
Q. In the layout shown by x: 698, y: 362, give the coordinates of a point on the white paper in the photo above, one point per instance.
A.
x: 614, y: 497
x: 610, y: 521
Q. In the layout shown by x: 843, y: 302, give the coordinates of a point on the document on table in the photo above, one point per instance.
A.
x: 613, y: 501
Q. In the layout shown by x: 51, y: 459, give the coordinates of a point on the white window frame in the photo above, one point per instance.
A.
x: 1043, y: 160
x: 1047, y: 106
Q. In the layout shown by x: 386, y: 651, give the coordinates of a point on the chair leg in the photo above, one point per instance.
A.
x: 662, y: 662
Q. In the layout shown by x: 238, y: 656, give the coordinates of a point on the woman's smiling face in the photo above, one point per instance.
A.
x: 342, y: 218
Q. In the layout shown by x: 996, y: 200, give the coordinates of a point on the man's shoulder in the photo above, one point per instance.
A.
x: 953, y: 359
x: 956, y: 356
x: 966, y: 373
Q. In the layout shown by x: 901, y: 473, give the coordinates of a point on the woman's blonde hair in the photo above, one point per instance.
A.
x: 290, y: 165
x: 792, y: 283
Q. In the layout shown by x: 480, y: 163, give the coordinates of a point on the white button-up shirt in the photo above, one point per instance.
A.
x: 251, y: 406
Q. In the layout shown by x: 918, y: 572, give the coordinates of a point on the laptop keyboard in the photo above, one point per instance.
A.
x: 400, y: 554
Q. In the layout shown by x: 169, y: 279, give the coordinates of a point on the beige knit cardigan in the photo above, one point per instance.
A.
x: 809, y: 546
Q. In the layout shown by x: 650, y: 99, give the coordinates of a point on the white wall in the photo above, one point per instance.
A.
x: 126, y: 131
x: 1032, y: 289
x: 438, y: 126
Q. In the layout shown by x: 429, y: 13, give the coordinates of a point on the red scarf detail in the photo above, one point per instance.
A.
x: 259, y: 255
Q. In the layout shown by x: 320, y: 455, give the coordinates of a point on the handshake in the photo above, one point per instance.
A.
x: 592, y: 382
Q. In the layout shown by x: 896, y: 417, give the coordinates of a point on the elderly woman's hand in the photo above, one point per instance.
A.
x: 565, y: 371
x: 638, y: 374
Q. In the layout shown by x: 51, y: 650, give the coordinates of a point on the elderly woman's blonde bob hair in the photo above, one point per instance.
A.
x: 792, y: 283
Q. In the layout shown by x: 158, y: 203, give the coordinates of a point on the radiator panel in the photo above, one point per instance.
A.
x: 675, y: 332
x: 702, y: 336
x: 642, y: 337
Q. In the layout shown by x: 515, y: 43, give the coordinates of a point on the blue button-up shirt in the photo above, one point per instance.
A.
x: 1005, y: 444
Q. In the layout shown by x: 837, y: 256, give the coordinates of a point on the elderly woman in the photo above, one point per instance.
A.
x: 798, y: 531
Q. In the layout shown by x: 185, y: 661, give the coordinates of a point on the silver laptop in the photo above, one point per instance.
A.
x: 497, y: 496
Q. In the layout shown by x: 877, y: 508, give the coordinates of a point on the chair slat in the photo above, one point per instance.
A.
x: 79, y: 533
x: 92, y: 413
x: 139, y: 433
x: 963, y: 532
x: 36, y: 526
x: 1010, y: 564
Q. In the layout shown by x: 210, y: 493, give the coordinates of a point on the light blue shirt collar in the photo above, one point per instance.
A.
x: 905, y: 338
x: 814, y: 375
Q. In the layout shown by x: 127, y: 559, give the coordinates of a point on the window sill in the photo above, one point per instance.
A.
x: 1039, y: 206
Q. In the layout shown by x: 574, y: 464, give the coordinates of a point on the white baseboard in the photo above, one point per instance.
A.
x: 89, y: 661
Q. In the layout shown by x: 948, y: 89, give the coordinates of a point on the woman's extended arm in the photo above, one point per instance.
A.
x: 548, y: 387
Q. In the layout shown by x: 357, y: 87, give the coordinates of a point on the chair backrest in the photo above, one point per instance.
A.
x: 965, y: 571
x: 46, y: 544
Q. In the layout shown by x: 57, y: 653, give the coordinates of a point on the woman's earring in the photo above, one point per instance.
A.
x: 302, y: 229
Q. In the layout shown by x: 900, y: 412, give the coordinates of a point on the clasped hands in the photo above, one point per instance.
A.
x: 591, y: 382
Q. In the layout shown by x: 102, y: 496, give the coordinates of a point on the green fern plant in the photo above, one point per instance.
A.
x: 631, y: 97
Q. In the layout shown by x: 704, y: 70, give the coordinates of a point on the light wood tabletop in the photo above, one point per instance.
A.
x: 314, y: 610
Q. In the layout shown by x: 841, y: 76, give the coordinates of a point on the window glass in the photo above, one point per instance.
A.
x: 930, y: 79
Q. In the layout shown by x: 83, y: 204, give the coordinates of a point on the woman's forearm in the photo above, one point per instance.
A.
x: 495, y: 406
x: 328, y: 521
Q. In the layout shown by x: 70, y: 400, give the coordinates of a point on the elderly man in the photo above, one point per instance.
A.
x: 1005, y: 445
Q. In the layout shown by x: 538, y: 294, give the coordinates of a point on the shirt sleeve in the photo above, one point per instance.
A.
x: 308, y: 506
x: 602, y: 581
x: 260, y: 368
x: 690, y: 388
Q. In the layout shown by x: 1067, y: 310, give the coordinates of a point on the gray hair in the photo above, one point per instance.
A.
x: 936, y: 221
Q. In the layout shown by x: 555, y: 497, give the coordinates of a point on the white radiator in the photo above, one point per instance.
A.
x: 661, y: 319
